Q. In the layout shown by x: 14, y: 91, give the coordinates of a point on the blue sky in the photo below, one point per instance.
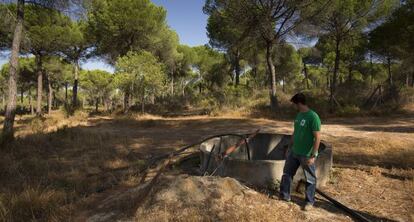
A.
x: 187, y: 19
x: 184, y: 16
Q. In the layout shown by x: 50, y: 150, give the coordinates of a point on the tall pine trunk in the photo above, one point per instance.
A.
x: 3, y: 101
x: 39, y: 85
x: 75, y: 86
x: 390, y: 78
x: 143, y: 100
x: 350, y: 69
x: 30, y: 102
x: 66, y: 93
x: 97, y: 104
x: 328, y: 79
x: 305, y: 70
x: 21, y: 96
x: 412, y: 80
x: 50, y: 97
x: 14, y: 66
x: 335, y: 76
x: 126, y: 101
x: 272, y: 73
x: 237, y: 69
x: 172, y: 83
x: 55, y: 102
x: 407, y: 79
x: 371, y: 70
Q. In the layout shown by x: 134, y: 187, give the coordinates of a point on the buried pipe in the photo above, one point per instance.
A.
x: 177, y: 152
x: 357, y: 216
x: 339, y: 205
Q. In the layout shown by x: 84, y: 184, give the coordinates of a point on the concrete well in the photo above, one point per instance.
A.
x: 260, y: 162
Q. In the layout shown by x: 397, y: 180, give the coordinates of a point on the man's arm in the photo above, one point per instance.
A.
x: 290, y: 145
x: 316, y: 143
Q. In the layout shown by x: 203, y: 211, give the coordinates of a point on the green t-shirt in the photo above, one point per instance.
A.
x: 305, y: 124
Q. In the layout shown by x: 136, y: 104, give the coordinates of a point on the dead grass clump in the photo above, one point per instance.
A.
x: 37, y: 125
x: 34, y: 204
x: 381, y: 196
x: 29, y: 125
x: 375, y: 171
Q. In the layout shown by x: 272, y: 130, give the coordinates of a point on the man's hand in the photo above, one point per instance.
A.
x: 311, y: 161
x: 220, y: 156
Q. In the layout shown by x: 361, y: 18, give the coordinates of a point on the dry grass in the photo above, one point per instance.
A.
x: 377, y: 193
x: 186, y: 198
x: 34, y: 204
x: 53, y: 164
x: 57, y: 164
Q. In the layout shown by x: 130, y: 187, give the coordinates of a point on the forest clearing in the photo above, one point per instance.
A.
x: 206, y: 110
x: 87, y: 158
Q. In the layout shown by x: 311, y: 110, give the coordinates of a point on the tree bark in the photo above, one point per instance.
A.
x: 126, y: 101
x: 21, y: 96
x: 143, y: 101
x: 305, y: 70
x: 237, y: 69
x: 39, y: 85
x: 350, y: 69
x: 50, y: 97
x: 3, y: 101
x: 272, y: 73
x: 66, y: 93
x: 172, y: 83
x: 55, y: 102
x: 183, y: 88
x: 390, y: 78
x: 75, y: 86
x: 407, y: 80
x: 97, y: 104
x: 30, y: 102
x: 8, y: 133
x: 334, y: 77
x: 371, y: 70
x: 412, y: 80
x: 328, y: 80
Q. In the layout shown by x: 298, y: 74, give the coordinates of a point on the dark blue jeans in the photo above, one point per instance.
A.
x: 292, y: 164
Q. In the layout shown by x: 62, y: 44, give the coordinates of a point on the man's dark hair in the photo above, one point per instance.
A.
x: 299, y: 98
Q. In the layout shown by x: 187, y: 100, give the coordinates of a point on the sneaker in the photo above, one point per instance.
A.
x: 308, y: 207
x: 284, y: 198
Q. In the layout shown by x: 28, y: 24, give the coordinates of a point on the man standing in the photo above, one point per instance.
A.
x: 305, y: 144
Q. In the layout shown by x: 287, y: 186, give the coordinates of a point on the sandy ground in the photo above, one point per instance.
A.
x: 373, y: 157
